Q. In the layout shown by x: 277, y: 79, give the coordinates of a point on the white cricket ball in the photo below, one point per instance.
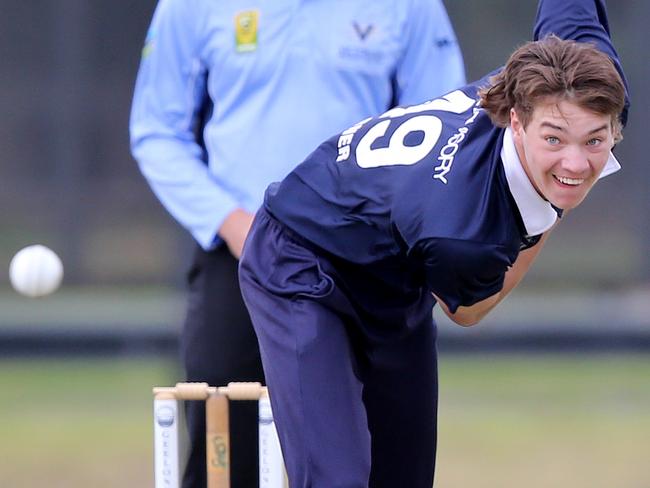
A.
x: 35, y: 271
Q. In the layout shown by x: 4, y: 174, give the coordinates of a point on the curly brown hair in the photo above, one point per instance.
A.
x: 552, y: 67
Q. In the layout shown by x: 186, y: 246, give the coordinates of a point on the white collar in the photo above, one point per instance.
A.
x: 611, y: 166
x: 538, y: 214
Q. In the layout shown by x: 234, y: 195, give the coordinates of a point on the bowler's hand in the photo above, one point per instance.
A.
x: 235, y: 229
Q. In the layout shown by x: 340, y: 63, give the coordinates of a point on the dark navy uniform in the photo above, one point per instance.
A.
x: 340, y: 266
x: 424, y: 193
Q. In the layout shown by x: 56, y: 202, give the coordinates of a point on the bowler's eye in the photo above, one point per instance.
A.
x: 552, y: 140
x: 594, y: 142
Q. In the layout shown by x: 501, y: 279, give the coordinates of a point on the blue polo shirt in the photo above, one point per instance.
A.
x: 433, y: 193
x: 272, y: 79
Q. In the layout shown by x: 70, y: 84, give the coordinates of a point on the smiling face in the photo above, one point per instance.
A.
x: 563, y: 149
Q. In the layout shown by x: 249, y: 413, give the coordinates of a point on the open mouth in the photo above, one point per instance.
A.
x: 569, y: 181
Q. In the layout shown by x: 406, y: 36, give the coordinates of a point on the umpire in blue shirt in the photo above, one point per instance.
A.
x: 229, y: 96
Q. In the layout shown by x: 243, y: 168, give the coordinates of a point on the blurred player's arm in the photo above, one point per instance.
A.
x: 168, y: 98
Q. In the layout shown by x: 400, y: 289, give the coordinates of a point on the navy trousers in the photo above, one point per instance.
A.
x: 350, y: 363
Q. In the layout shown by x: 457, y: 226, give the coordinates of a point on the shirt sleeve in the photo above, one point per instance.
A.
x: 582, y: 21
x: 460, y: 272
x: 168, y: 97
x: 432, y: 63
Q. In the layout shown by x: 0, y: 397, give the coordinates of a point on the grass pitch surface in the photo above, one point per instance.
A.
x: 505, y: 421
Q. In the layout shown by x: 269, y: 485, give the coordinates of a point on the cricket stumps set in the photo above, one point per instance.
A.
x: 166, y: 433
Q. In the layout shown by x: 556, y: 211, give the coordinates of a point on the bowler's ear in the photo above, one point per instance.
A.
x: 515, y: 124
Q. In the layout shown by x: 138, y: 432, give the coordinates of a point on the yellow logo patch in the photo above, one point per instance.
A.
x: 246, y: 24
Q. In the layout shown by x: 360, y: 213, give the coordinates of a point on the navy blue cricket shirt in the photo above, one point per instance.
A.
x: 434, y: 183
x: 434, y: 187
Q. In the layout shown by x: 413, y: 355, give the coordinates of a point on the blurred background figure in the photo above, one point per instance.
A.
x: 230, y: 97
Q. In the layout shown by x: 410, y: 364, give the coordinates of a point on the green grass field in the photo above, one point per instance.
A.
x: 544, y: 421
x: 505, y: 421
